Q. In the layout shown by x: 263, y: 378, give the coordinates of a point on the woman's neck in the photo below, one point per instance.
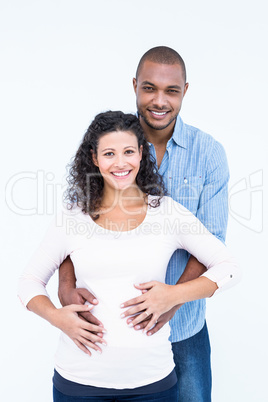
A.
x: 129, y: 198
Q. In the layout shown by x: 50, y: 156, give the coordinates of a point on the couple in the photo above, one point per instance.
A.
x: 131, y: 231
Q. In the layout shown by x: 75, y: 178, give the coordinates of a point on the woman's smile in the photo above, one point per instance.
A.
x: 121, y: 174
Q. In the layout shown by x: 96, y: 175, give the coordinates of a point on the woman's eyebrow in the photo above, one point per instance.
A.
x: 106, y: 149
x: 112, y: 149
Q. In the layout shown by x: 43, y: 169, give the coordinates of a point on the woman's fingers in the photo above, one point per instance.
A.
x: 85, y: 335
x: 146, y: 324
x: 93, y: 338
x: 134, y: 310
x: 92, y: 342
x: 82, y: 347
x: 141, y: 325
x: 85, y: 308
x: 89, y: 317
x: 93, y: 328
x: 86, y: 340
x: 79, y: 308
x: 133, y: 302
x: 140, y: 318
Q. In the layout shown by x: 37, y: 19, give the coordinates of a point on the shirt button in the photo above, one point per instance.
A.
x: 185, y: 181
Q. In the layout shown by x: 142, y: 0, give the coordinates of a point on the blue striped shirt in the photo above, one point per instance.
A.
x: 196, y: 174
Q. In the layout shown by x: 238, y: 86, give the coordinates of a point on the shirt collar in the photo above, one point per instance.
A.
x: 179, y: 135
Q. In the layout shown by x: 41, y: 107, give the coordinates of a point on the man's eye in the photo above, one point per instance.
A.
x: 148, y: 88
x: 174, y: 91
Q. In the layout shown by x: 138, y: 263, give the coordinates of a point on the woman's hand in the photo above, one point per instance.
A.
x: 84, y: 334
x: 162, y: 320
x: 81, y: 296
x: 157, y: 299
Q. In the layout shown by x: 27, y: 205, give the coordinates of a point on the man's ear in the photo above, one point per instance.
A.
x: 134, y: 82
x: 94, y: 158
x: 186, y: 86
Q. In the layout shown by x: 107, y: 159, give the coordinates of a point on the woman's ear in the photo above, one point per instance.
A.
x: 141, y: 149
x: 94, y: 158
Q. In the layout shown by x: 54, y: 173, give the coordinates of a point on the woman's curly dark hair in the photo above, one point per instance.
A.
x: 85, y: 181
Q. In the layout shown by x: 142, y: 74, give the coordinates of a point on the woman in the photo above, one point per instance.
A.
x: 120, y: 230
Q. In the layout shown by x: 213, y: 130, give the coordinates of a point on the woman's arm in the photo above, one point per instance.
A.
x: 67, y: 320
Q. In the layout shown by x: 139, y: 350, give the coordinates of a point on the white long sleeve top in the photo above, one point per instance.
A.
x: 108, y: 263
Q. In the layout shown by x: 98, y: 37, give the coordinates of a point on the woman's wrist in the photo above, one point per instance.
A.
x: 177, y: 295
x: 195, y: 289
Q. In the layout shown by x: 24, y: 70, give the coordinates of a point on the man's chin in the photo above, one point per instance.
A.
x: 158, y: 126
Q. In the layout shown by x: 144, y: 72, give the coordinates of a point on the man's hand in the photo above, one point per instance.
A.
x: 69, y: 294
x: 157, y: 299
x: 162, y: 320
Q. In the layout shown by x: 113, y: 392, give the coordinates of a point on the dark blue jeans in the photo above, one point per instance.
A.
x: 170, y: 395
x: 193, y: 367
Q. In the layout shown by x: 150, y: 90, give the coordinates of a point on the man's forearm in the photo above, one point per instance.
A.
x: 67, y: 279
x: 193, y: 270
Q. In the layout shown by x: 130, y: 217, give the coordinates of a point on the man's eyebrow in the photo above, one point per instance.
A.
x: 169, y: 86
x: 174, y: 87
x: 147, y: 83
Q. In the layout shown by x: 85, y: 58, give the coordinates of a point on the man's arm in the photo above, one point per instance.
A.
x: 69, y: 294
x: 193, y: 270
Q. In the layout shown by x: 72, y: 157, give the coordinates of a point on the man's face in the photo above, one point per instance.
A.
x: 159, y: 89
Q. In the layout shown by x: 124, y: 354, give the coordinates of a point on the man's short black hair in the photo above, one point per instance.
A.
x: 162, y: 55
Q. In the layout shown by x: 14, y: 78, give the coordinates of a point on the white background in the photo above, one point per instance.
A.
x: 64, y: 61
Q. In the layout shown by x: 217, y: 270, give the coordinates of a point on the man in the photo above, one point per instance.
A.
x: 195, y: 171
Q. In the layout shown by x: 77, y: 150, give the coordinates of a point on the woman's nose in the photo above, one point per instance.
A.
x: 120, y: 161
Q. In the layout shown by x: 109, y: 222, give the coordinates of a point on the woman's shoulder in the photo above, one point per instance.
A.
x: 71, y: 211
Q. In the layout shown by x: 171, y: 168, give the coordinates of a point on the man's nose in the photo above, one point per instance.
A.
x: 160, y: 100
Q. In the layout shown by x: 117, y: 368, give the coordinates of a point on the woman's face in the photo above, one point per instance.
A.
x: 118, y: 159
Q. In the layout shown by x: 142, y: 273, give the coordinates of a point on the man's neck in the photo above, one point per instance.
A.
x: 157, y: 137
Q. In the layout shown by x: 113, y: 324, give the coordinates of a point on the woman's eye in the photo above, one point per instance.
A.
x: 129, y: 151
x: 109, y: 154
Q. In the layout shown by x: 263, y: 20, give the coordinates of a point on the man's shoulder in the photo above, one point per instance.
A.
x: 196, y: 134
x: 197, y: 138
